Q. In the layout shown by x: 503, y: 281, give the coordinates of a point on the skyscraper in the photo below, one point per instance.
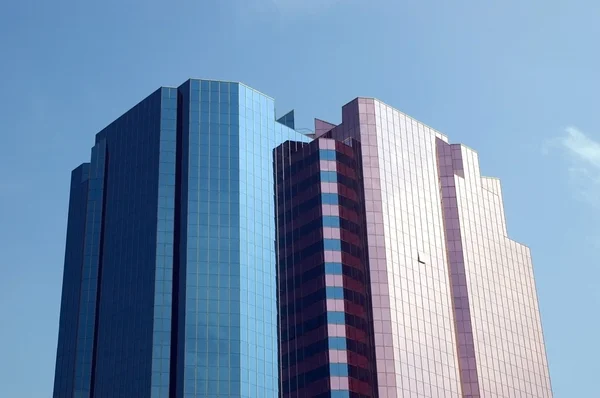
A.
x: 396, y: 275
x: 169, y: 282
x: 201, y: 217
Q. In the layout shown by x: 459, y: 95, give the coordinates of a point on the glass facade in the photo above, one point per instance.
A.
x: 228, y: 326
x: 64, y: 381
x: 214, y: 251
x: 450, y: 300
x: 170, y: 264
x: 501, y: 344
x: 88, y: 302
x: 326, y: 344
x: 134, y: 312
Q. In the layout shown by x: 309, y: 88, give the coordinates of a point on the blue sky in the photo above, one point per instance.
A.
x: 518, y: 81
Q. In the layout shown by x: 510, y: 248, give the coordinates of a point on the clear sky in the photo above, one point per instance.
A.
x: 516, y: 80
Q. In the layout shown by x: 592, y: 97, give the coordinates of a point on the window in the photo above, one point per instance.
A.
x: 333, y: 268
x: 327, y: 154
x: 332, y: 244
x: 338, y: 369
x: 335, y: 292
x: 336, y: 317
x: 340, y: 394
x: 329, y: 198
x: 331, y: 221
x: 328, y: 176
x: 337, y: 343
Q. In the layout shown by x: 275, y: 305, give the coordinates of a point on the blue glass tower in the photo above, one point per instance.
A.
x: 169, y: 285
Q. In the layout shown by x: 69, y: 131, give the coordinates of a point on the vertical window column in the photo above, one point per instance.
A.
x: 86, y: 329
x: 334, y: 282
x: 163, y: 290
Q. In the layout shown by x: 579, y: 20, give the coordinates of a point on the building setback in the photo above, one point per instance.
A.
x: 215, y: 251
x: 397, y: 278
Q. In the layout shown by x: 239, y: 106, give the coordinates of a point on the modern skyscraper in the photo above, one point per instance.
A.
x: 396, y: 275
x: 169, y: 284
x: 386, y: 250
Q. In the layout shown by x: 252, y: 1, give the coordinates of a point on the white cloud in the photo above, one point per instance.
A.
x: 582, y: 146
x: 583, y: 153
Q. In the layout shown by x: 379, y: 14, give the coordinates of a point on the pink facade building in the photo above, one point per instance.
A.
x: 396, y: 275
